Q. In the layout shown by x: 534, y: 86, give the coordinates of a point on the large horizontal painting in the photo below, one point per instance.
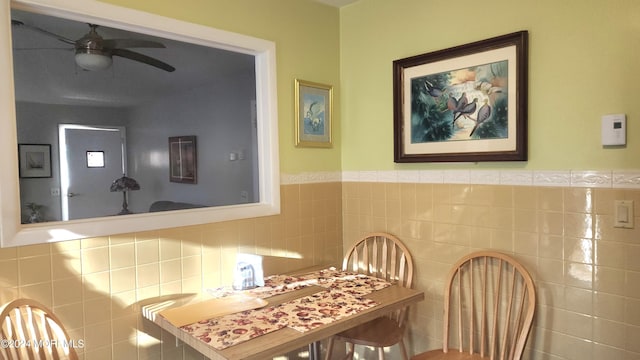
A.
x: 466, y: 103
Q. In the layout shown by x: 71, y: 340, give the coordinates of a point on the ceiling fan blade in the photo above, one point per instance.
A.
x: 40, y: 49
x: 131, y: 43
x: 42, y: 31
x: 142, y: 58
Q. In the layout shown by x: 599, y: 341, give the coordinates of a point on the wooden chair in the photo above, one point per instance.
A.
x: 383, y: 256
x: 489, y: 303
x: 35, y: 331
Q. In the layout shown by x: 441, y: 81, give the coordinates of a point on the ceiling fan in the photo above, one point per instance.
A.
x: 92, y: 52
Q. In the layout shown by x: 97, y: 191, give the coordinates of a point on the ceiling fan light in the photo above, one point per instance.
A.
x: 93, y: 62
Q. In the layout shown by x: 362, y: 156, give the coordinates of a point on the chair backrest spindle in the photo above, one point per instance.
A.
x: 507, y: 323
x: 392, y: 271
x: 374, y: 263
x: 471, y: 311
x: 496, y: 309
x: 460, y: 309
x: 484, y: 308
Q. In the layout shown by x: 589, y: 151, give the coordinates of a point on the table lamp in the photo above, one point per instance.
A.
x: 124, y: 184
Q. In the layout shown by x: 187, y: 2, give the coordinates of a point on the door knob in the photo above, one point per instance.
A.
x: 71, y: 194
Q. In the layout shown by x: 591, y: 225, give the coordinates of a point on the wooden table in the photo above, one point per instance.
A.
x: 284, y: 340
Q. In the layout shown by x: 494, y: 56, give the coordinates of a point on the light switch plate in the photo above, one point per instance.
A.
x: 623, y: 214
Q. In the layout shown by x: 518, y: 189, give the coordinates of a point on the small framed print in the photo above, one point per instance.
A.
x: 95, y: 159
x: 183, y: 165
x: 313, y: 114
x: 35, y: 160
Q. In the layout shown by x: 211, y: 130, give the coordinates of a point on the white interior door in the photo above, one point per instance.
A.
x: 85, y: 186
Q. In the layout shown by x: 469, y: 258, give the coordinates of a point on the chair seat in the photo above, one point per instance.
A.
x: 450, y: 355
x: 380, y: 332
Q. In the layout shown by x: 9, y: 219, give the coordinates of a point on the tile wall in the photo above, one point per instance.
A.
x: 586, y: 271
x: 97, y: 285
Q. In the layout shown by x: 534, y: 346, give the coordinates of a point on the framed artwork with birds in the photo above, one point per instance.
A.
x: 465, y: 103
x: 313, y: 112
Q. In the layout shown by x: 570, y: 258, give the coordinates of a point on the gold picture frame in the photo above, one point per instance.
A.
x: 313, y: 114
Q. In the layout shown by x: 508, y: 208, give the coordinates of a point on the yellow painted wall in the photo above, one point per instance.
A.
x: 583, y: 64
x: 306, y: 34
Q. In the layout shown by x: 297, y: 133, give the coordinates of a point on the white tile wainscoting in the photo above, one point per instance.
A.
x: 623, y: 179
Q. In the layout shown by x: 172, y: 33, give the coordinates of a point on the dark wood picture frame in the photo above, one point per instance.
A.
x: 183, y: 161
x: 463, y: 104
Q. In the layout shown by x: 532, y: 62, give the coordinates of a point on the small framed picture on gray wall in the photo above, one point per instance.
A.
x: 183, y: 162
x: 35, y: 160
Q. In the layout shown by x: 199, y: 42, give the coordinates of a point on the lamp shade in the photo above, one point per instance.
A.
x: 93, y: 61
x: 124, y: 184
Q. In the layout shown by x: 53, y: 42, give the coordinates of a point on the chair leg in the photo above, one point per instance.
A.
x: 403, y: 350
x: 314, y: 351
x: 380, y: 353
x: 329, y: 349
x: 352, y: 351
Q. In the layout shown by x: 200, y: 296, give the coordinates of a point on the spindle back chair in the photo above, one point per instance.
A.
x: 383, y: 256
x: 31, y: 331
x: 489, y: 302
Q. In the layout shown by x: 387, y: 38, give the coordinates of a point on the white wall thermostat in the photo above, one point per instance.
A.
x: 614, y: 129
